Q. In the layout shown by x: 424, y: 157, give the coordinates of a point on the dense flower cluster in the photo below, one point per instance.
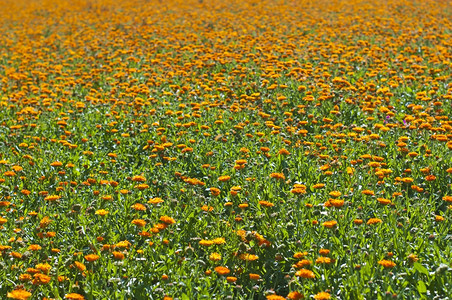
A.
x: 225, y: 149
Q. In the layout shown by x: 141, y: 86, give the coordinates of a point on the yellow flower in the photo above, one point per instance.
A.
x: 101, y: 212
x: 215, y: 256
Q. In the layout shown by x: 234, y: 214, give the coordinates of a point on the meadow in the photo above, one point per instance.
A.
x: 231, y: 149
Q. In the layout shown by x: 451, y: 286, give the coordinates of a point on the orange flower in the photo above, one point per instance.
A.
x: 324, y: 252
x: 80, y: 266
x: 323, y: 260
x: 91, y: 257
x: 322, y: 296
x: 138, y: 178
x: 387, y: 263
x: 167, y: 220
x: 215, y: 256
x: 139, y: 206
x: 278, y: 176
x: 301, y: 264
x: 254, y: 276
x: 294, y: 295
x: 304, y: 273
x: 19, y: 294
x: 368, y: 192
x: 329, y: 224
x: 224, y: 178
x: 74, y: 296
x: 34, y: 247
x: 45, y: 268
x: 274, y: 297
x: 139, y: 222
x: 447, y: 198
x: 118, y: 255
x: 214, y: 191
x: 231, y: 279
x: 373, y: 221
x: 266, y: 203
x: 222, y: 270
x: 40, y: 279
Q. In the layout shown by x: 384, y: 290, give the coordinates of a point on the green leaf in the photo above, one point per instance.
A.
x: 421, y: 287
x: 420, y: 268
x: 185, y: 297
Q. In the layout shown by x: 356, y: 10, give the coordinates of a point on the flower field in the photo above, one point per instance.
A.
x: 212, y: 149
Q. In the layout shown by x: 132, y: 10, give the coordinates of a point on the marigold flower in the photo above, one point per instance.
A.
x: 138, y: 178
x: 301, y: 264
x: 323, y: 260
x: 412, y: 258
x: 101, y: 212
x: 324, y: 252
x: 224, y: 178
x: 299, y: 255
x: 358, y: 221
x: 254, y: 276
x: 294, y: 295
x: 274, y: 297
x: 373, y: 221
x: 278, y: 176
x: 52, y: 198
x: 80, y: 266
x: 139, y: 206
x: 248, y: 257
x: 231, y: 279
x: 384, y: 201
x: 45, y: 268
x: 215, y: 191
x: 155, y: 200
x: 304, y: 273
x: 266, y: 203
x: 222, y: 270
x: 16, y: 255
x: 215, y: 256
x: 368, y: 192
x: 439, y: 218
x: 329, y: 224
x: 25, y: 277
x: 19, y: 294
x: 447, y: 198
x: 142, y: 187
x: 34, y: 247
x: 318, y: 186
x: 56, y: 164
x: 322, y: 296
x: 387, y: 263
x: 335, y: 194
x: 91, y: 257
x: 139, y: 222
x: 40, y: 279
x: 167, y: 220
x: 118, y: 255
x: 283, y: 152
x: 74, y: 296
